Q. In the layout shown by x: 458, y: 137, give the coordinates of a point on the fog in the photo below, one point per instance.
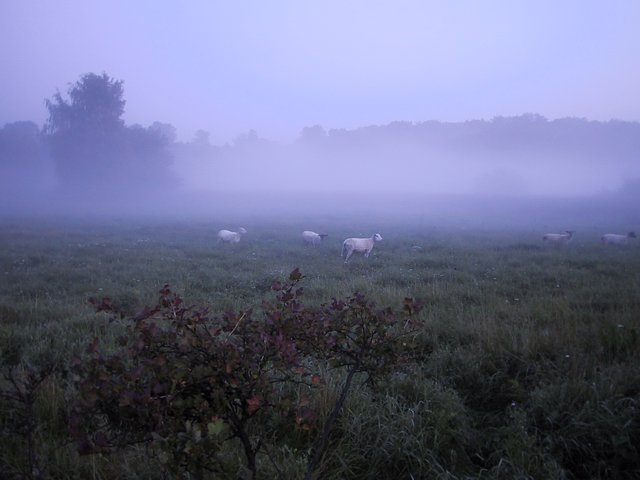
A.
x: 509, y: 171
x: 460, y: 114
x: 517, y: 156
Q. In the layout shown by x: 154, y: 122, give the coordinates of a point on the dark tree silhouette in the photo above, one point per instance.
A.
x: 96, y: 104
x: 95, y: 151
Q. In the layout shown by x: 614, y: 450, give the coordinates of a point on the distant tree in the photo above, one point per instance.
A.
x: 24, y: 159
x: 197, y: 150
x: 248, y: 140
x: 96, y: 104
x: 93, y: 148
x: 147, y: 152
x: 201, y: 138
x: 165, y: 133
x: 21, y: 145
x: 313, y: 135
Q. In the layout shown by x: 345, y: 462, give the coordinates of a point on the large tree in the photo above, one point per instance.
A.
x: 94, y: 150
x: 96, y: 103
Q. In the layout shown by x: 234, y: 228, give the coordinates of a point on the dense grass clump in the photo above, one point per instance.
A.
x: 526, y: 364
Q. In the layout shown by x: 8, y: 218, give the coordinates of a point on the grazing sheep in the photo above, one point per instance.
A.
x: 227, y: 236
x: 313, y: 238
x: 559, y: 238
x: 616, y: 239
x: 365, y: 245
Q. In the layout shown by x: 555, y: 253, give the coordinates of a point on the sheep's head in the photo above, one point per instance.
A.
x: 242, y: 231
x: 377, y: 237
x: 323, y: 235
x: 632, y: 234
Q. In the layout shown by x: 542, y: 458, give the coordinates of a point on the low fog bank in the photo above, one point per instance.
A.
x: 230, y: 210
x: 516, y: 171
x: 516, y: 156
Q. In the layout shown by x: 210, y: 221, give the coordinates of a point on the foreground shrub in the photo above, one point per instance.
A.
x: 191, y: 386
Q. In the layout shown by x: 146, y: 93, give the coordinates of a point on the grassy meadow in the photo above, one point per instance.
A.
x: 530, y: 363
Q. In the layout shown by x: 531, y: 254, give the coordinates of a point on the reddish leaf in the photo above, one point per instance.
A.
x: 295, y: 275
x: 253, y: 404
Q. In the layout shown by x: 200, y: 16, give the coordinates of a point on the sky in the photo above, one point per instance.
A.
x: 279, y: 66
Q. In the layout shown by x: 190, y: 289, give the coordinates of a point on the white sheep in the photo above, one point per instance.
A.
x: 559, y: 237
x: 616, y: 239
x: 365, y: 245
x: 312, y: 238
x: 227, y: 236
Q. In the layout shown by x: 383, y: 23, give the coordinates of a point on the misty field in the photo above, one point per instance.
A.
x: 528, y: 365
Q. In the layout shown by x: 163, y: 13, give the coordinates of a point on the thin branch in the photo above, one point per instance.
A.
x: 321, y: 442
x: 236, y: 325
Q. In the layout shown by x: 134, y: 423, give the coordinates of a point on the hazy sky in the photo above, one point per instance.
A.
x: 278, y: 66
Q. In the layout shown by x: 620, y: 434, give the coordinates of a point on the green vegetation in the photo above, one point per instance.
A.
x: 526, y: 363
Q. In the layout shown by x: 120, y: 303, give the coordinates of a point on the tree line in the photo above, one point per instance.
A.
x: 88, y: 149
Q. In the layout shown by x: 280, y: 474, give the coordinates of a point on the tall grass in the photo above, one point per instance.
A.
x: 530, y: 356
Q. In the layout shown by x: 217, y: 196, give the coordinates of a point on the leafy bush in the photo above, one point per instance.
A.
x: 189, y: 385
